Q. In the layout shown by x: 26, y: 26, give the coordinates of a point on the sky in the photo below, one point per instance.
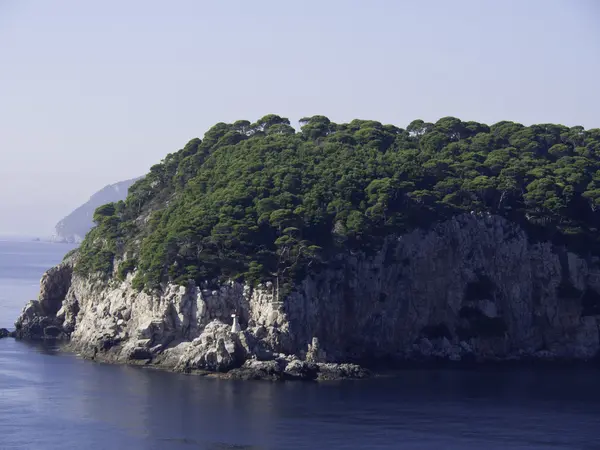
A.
x: 92, y: 93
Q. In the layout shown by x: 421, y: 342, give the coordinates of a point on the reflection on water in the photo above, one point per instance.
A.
x: 50, y: 400
x: 61, y: 401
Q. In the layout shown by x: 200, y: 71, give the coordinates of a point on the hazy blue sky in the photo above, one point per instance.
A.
x: 93, y: 92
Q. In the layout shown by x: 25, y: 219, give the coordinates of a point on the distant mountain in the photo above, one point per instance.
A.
x: 74, y: 227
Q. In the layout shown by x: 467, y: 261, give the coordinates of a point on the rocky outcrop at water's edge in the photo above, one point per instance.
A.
x: 4, y: 333
x: 471, y: 288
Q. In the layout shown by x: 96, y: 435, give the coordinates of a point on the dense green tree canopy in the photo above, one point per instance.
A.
x: 261, y: 201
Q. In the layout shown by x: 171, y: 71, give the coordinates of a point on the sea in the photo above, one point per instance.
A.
x: 54, y: 400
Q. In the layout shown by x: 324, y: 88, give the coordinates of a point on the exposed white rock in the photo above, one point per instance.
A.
x: 315, y: 354
x: 235, y: 327
x: 216, y: 349
x: 478, y: 280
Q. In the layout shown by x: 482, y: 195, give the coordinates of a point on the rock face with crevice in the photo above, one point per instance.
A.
x: 474, y: 287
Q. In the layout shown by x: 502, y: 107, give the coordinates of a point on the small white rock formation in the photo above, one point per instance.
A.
x: 315, y: 354
x: 235, y: 327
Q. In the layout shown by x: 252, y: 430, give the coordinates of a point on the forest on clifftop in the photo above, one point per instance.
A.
x: 262, y: 201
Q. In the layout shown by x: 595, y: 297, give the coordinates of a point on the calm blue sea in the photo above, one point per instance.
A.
x: 50, y: 400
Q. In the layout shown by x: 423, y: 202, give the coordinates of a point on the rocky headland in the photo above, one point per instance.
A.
x: 262, y: 251
x: 473, y: 288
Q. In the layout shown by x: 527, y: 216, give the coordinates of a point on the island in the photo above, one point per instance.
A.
x: 73, y: 228
x: 262, y: 251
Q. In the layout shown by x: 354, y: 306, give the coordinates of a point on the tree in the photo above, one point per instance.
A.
x: 268, y: 121
x: 292, y: 253
x: 451, y: 127
x: 315, y: 127
x: 258, y: 201
x: 242, y: 126
x: 104, y: 212
x: 418, y: 128
x: 280, y: 128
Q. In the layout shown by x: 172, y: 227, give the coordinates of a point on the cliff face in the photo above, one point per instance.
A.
x: 74, y: 227
x: 470, y: 287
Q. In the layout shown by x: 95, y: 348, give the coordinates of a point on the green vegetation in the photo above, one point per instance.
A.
x: 69, y: 254
x: 125, y: 268
x: 261, y: 201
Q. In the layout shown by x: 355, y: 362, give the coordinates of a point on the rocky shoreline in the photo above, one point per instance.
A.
x: 426, y: 354
x: 280, y: 369
x: 469, y: 290
x: 5, y: 333
x: 219, y: 351
x: 209, y: 356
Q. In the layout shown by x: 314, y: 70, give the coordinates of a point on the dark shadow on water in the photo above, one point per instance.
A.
x: 207, y: 445
x: 390, y: 366
x: 42, y: 347
x: 118, y: 406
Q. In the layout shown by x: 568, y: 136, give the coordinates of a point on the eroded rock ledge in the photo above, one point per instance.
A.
x: 472, y: 288
x: 217, y: 351
x: 185, y: 329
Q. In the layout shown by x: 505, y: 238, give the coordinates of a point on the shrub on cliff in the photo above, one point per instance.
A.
x: 261, y: 201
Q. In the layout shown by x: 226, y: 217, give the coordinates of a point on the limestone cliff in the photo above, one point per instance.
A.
x: 473, y: 287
